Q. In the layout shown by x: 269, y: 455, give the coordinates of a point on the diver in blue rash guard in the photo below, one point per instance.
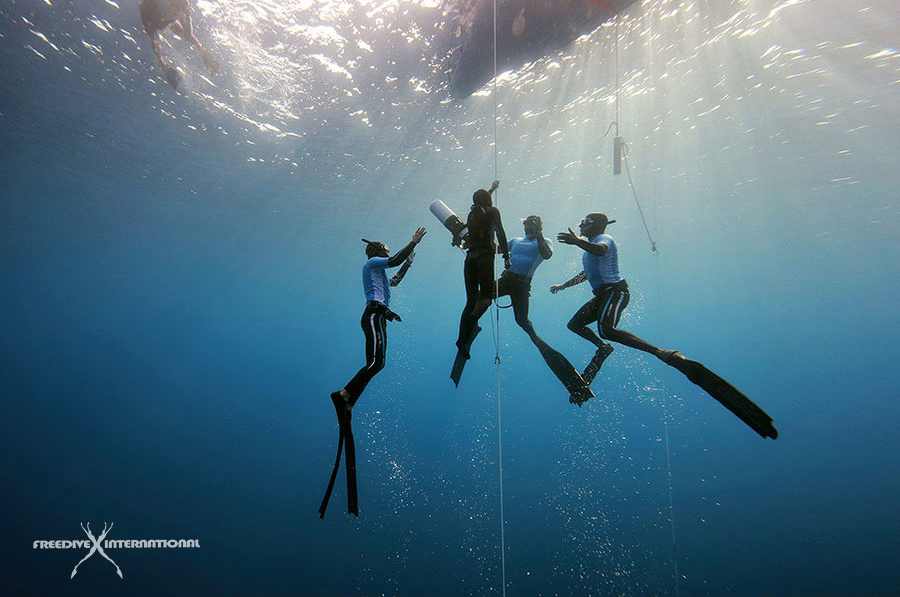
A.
x: 525, y: 255
x: 611, y: 296
x: 377, y: 313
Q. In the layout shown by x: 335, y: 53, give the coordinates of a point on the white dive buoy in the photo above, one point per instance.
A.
x: 450, y: 220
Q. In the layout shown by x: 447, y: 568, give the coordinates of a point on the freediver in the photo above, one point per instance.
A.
x: 483, y: 224
x: 601, y: 268
x: 376, y: 314
x: 156, y: 15
x: 526, y: 254
x: 374, y: 320
x: 611, y: 296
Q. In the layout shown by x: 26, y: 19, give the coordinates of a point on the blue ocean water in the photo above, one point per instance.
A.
x: 181, y: 292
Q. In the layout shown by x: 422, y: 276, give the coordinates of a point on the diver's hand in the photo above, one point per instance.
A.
x: 556, y: 288
x: 506, y: 262
x: 418, y: 234
x: 494, y: 185
x: 568, y: 238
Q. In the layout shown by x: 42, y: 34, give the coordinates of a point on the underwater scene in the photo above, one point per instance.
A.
x: 185, y: 297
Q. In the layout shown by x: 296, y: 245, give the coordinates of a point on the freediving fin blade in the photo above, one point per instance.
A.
x: 727, y: 395
x: 350, y: 462
x: 462, y: 357
x: 344, y: 432
x: 173, y: 77
x: 590, y: 372
x: 458, y: 365
x: 334, y: 472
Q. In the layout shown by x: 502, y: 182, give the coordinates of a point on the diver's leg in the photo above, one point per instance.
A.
x: 520, y: 300
x: 173, y: 77
x: 579, y: 323
x: 466, y: 324
x: 484, y: 274
x: 585, y: 316
x: 373, y: 326
x: 556, y: 361
x: 614, y: 303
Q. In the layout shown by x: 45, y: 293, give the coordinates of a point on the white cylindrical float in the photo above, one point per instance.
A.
x: 450, y: 220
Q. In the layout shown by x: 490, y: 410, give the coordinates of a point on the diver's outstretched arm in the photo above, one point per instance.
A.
x: 570, y: 238
x: 398, y: 277
x: 578, y: 279
x: 406, y: 251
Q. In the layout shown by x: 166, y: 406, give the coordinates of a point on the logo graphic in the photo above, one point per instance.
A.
x: 101, y: 544
x: 96, y: 547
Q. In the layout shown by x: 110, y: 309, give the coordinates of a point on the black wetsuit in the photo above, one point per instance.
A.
x: 611, y: 296
x: 518, y: 288
x: 483, y: 223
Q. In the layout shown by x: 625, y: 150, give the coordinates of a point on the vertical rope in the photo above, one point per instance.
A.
x: 671, y: 506
x: 659, y: 335
x: 655, y: 252
x: 497, y: 338
x: 616, y: 33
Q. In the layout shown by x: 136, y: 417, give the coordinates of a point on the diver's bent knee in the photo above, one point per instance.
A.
x: 608, y: 332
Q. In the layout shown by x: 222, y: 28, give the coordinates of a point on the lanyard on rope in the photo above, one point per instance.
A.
x: 620, y: 148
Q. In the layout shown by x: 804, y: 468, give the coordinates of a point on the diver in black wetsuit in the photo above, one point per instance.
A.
x: 526, y: 254
x: 483, y: 224
x: 156, y: 15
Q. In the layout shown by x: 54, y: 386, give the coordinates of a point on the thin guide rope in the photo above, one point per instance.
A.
x: 497, y: 337
x: 655, y: 252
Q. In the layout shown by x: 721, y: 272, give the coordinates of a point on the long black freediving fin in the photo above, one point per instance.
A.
x: 462, y: 357
x: 343, y: 417
x: 334, y: 472
x: 350, y: 462
x: 579, y: 391
x: 727, y: 395
x: 590, y: 372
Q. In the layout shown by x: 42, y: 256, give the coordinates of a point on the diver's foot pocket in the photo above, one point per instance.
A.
x: 590, y: 372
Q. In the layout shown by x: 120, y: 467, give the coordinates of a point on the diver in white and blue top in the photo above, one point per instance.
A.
x: 374, y: 325
x: 525, y: 255
x: 377, y: 313
x: 611, y: 296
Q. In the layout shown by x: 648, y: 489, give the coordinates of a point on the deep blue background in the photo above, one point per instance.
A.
x: 174, y: 316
